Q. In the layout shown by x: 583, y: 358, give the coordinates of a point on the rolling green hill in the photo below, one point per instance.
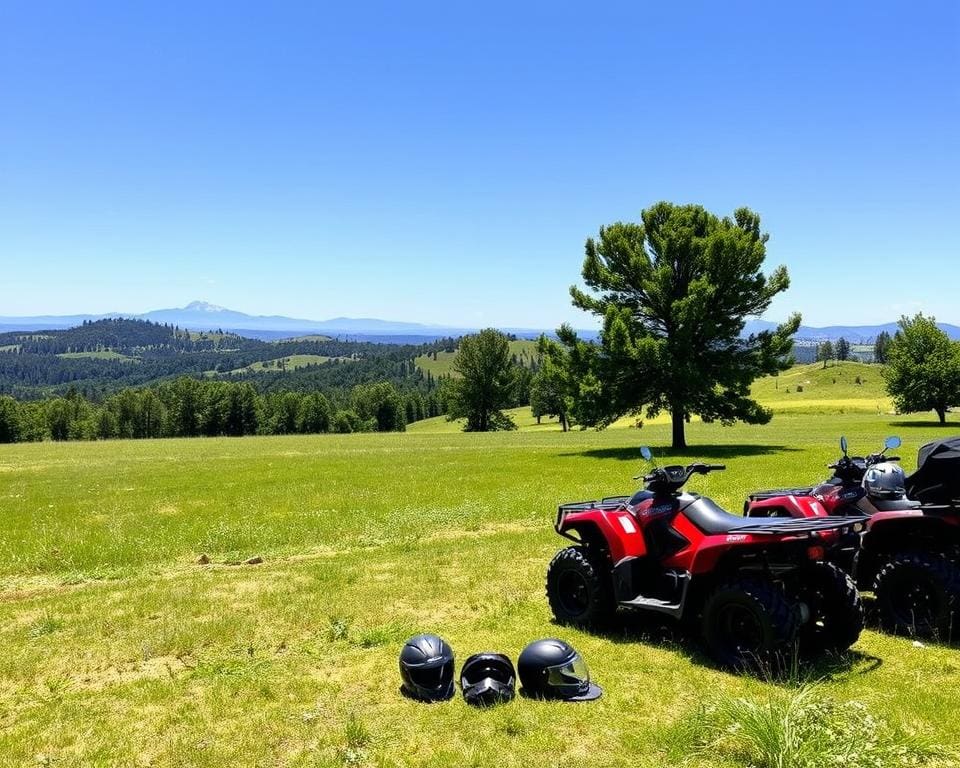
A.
x: 291, y: 363
x: 441, y: 363
x: 839, y: 388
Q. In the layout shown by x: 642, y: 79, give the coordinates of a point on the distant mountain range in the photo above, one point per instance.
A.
x: 202, y: 316
x: 855, y: 334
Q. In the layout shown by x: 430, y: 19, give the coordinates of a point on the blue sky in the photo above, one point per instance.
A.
x: 445, y: 162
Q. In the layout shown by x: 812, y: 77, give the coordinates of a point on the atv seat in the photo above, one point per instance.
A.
x: 713, y: 519
x: 895, y: 505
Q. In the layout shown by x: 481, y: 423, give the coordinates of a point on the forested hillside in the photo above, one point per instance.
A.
x: 99, y: 358
x: 137, y: 379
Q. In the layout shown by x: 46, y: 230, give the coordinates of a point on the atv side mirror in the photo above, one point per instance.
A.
x: 843, y: 445
x: 645, y: 452
x: 891, y: 442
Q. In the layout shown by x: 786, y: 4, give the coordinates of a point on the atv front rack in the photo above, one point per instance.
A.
x: 607, y: 503
x: 791, y: 526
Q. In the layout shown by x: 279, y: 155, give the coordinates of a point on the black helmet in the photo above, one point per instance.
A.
x: 552, y: 669
x: 487, y: 678
x: 426, y: 668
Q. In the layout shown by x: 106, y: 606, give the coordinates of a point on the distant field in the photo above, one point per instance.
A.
x: 526, y: 422
x: 10, y: 348
x: 106, y: 354
x: 524, y: 350
x: 825, y: 390
x: 309, y: 337
x: 290, y: 363
x: 118, y: 648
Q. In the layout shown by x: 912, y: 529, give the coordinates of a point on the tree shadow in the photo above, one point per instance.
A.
x: 926, y: 424
x: 632, y: 453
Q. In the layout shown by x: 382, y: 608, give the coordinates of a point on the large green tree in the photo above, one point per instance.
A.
x: 825, y: 352
x: 842, y: 350
x: 486, y: 384
x: 880, y: 347
x: 674, y: 292
x: 552, y: 388
x: 923, y: 368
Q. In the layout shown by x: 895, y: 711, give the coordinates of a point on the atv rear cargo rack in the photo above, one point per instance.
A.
x: 800, y: 525
x: 776, y: 492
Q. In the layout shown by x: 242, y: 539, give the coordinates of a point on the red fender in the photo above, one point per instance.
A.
x: 796, y: 506
x: 617, y: 526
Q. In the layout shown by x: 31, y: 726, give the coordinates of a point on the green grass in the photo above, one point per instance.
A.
x: 524, y: 350
x: 103, y: 354
x: 118, y: 648
x: 290, y: 363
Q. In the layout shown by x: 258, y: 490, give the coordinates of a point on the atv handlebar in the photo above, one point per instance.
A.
x: 672, y: 478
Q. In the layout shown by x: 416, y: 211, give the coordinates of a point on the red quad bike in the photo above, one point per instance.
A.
x: 757, y: 588
x: 909, y: 550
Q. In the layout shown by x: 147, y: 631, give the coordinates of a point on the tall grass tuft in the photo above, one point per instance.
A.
x: 800, y: 728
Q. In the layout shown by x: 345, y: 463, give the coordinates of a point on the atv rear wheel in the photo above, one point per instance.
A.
x: 835, y: 609
x: 578, y: 590
x: 919, y: 593
x: 749, y: 624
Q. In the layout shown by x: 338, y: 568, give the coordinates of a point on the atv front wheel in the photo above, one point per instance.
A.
x: 749, y: 624
x: 578, y: 590
x: 919, y: 593
x: 834, y: 605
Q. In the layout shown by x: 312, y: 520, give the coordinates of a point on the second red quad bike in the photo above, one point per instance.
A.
x: 909, y: 550
x: 755, y: 589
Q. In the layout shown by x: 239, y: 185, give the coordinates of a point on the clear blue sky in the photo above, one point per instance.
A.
x: 445, y: 162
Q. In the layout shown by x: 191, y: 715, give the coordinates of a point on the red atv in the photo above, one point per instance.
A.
x: 908, y: 552
x: 758, y: 588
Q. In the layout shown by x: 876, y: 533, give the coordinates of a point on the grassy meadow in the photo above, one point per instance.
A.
x: 241, y: 602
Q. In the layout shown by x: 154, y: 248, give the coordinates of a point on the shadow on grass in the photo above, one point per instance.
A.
x: 949, y: 638
x: 632, y: 453
x: 926, y: 424
x: 637, y: 627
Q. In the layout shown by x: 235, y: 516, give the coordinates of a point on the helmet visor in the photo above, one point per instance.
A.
x: 434, y: 677
x: 569, y: 679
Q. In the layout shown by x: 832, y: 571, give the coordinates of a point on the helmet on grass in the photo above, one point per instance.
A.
x: 885, y: 481
x: 552, y: 669
x: 426, y: 668
x: 487, y: 679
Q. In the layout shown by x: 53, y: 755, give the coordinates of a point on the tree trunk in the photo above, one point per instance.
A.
x: 679, y: 440
x: 942, y: 413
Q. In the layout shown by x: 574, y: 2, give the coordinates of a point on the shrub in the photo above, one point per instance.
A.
x: 800, y: 728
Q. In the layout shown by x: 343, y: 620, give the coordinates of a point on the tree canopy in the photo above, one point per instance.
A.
x: 880, y: 347
x: 674, y: 292
x: 487, y: 382
x: 825, y: 352
x: 923, y: 368
x: 551, y: 390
